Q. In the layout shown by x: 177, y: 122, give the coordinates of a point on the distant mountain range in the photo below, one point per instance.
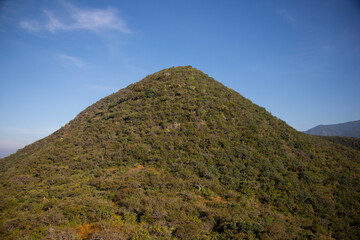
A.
x: 348, y: 129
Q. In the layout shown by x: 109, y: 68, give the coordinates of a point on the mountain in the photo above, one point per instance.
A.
x: 348, y: 129
x: 346, y: 141
x: 178, y: 155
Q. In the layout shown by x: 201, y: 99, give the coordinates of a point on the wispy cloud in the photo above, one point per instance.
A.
x: 286, y: 15
x: 30, y: 25
x: 53, y: 23
x: 94, y: 20
x: 72, y: 60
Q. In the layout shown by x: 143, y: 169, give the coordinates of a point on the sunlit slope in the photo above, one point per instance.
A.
x: 180, y: 156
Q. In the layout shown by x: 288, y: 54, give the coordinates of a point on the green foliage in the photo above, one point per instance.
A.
x: 39, y: 233
x: 179, y: 156
x: 346, y: 141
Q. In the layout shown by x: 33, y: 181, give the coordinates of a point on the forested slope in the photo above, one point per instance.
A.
x: 180, y: 156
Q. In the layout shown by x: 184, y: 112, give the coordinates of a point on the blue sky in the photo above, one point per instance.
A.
x: 298, y: 59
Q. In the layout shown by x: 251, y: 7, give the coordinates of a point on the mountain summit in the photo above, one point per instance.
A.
x: 178, y: 155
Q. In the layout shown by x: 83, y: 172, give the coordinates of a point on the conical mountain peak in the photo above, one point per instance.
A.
x: 178, y: 155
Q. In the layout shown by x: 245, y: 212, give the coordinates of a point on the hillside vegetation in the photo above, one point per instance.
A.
x: 346, y: 141
x: 180, y: 156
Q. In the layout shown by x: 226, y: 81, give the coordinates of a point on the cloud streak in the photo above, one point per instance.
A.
x: 30, y: 25
x: 72, y: 60
x: 287, y: 16
x: 94, y: 20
